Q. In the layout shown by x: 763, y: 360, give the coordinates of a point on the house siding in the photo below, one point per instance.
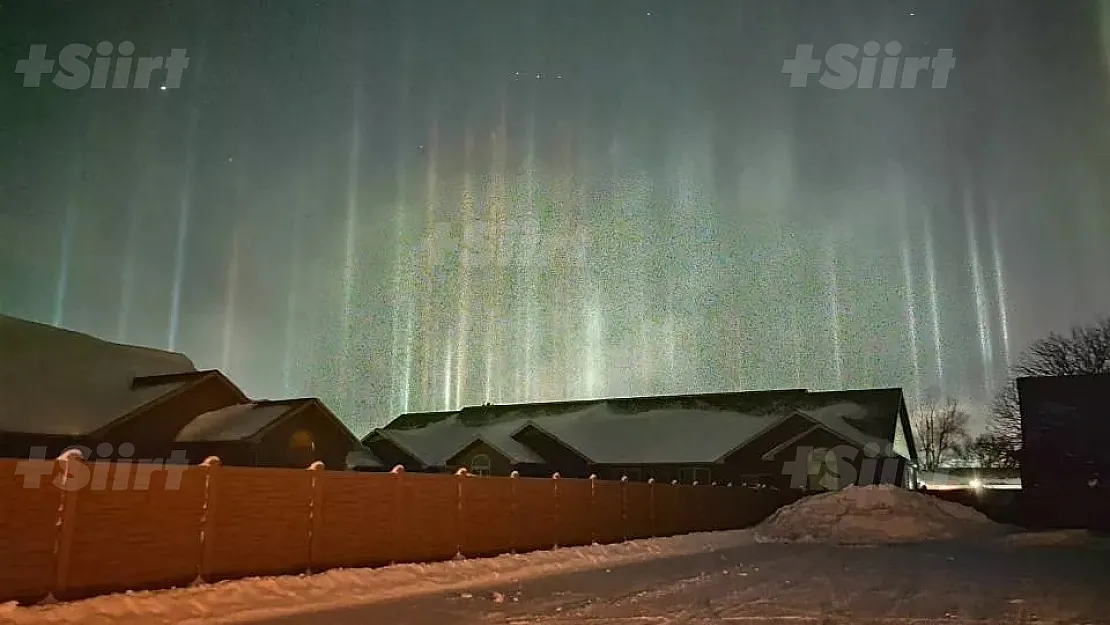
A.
x: 662, y: 473
x: 22, y: 445
x: 560, y: 458
x: 747, y: 464
x: 391, y: 455
x: 332, y: 441
x: 499, y: 464
x: 153, y: 430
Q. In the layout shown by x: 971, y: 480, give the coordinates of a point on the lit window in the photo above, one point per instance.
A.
x: 480, y: 465
x: 302, y: 441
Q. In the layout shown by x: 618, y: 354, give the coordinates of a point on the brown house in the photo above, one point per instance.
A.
x: 291, y: 433
x: 63, y: 389
x: 784, y: 438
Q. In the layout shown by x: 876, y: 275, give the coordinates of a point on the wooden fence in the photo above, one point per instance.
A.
x: 208, y: 523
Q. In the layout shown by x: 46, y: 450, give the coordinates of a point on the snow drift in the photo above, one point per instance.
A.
x: 860, y: 515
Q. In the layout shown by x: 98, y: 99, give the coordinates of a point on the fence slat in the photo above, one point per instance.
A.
x: 30, y: 508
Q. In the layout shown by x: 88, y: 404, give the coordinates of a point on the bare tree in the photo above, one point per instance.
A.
x: 989, y: 451
x: 940, y: 431
x: 1085, y: 350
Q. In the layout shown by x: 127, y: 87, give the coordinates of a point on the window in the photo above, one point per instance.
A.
x: 480, y: 464
x: 689, y: 475
x: 301, y: 441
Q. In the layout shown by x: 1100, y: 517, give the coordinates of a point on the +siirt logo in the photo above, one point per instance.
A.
x: 75, y: 73
x: 841, y: 71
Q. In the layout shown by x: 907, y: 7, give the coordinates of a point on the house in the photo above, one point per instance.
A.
x: 290, y: 433
x: 784, y: 438
x: 62, y: 389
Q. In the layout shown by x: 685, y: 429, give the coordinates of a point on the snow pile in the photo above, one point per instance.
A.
x: 263, y: 598
x: 860, y: 515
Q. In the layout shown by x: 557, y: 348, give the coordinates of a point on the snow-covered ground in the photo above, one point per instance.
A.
x: 958, y: 568
x: 272, y: 597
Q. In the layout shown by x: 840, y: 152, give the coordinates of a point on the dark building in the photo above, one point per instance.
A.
x: 782, y: 438
x: 1065, y: 464
x: 290, y: 433
x: 60, y: 389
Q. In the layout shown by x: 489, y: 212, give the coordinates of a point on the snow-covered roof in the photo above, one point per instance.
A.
x: 500, y: 436
x: 363, y: 458
x: 66, y: 383
x: 846, y: 419
x: 651, y: 430
x: 233, y: 423
x: 665, y: 436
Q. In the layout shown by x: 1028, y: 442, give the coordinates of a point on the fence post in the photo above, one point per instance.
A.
x: 651, y: 508
x: 594, y: 519
x: 513, y: 544
x: 396, y: 526
x: 67, y: 520
x: 558, y: 517
x: 211, y: 466
x: 460, y: 477
x: 315, y: 512
x: 624, y: 509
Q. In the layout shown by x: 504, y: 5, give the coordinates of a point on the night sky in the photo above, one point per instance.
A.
x: 419, y: 205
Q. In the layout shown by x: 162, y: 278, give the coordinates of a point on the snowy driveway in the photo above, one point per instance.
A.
x: 950, y: 583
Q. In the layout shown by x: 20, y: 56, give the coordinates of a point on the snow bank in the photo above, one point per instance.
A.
x: 271, y: 597
x: 874, y: 515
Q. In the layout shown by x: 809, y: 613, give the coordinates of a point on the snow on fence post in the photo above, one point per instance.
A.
x: 315, y: 512
x: 70, y: 460
x: 652, y: 530
x: 212, y: 465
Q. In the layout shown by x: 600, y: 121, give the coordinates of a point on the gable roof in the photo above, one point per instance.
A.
x: 499, y: 436
x: 66, y: 383
x: 233, y: 423
x: 250, y: 421
x: 652, y: 430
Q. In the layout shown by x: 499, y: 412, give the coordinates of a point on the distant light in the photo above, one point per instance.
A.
x: 912, y: 14
x: 163, y: 87
x: 649, y: 13
x: 976, y: 483
x: 539, y: 75
x: 557, y: 76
